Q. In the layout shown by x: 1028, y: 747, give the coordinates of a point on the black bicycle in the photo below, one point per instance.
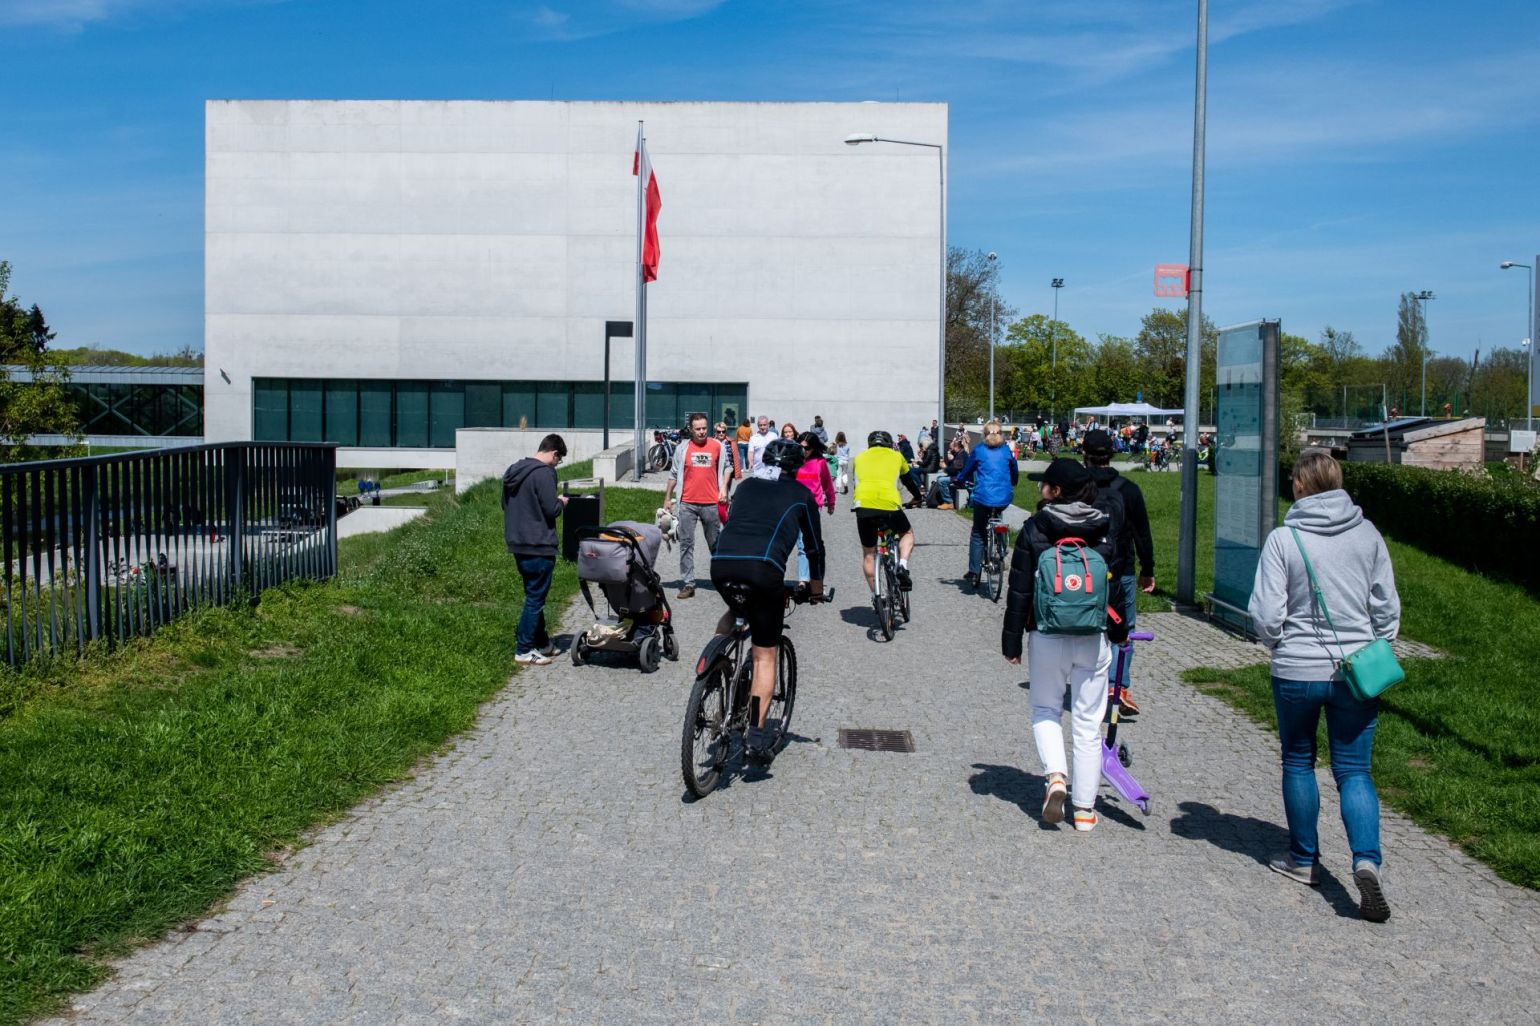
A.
x: 889, y: 600
x: 720, y: 706
x: 992, y: 568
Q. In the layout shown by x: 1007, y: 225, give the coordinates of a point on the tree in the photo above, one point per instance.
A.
x: 972, y: 281
x: 1162, y: 349
x: 1031, y: 384
x: 1403, y: 361
x: 42, y: 405
x: 1340, y: 346
x: 1499, y: 384
x: 1116, y: 376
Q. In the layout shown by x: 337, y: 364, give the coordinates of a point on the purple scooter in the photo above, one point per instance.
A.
x: 1115, y: 757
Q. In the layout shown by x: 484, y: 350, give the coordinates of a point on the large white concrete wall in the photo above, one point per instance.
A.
x: 491, y: 240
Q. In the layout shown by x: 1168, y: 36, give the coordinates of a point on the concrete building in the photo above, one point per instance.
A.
x: 383, y: 274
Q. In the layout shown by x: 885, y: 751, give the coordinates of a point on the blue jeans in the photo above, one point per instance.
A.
x: 981, y: 515
x: 1128, y: 612
x: 537, y: 572
x: 1350, y: 733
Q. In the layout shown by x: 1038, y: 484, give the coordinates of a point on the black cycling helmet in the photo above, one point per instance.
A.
x: 881, y: 438
x: 783, y: 453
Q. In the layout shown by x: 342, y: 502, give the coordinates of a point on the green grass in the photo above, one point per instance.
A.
x: 138, y: 787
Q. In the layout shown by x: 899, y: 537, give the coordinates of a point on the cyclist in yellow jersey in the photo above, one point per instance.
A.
x: 876, y: 473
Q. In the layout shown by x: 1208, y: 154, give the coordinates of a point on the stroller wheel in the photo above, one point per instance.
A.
x: 670, y: 646
x: 648, y: 653
x: 579, y: 650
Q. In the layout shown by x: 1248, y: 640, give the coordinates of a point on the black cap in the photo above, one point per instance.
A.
x: 1097, y: 443
x: 1066, y: 475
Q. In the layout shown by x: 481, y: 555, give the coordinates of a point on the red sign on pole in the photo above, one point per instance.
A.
x: 1171, y: 280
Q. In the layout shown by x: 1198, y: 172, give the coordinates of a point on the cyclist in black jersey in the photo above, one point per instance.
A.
x: 769, y: 511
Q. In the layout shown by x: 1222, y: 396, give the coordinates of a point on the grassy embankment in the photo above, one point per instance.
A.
x: 1458, y: 745
x: 138, y: 787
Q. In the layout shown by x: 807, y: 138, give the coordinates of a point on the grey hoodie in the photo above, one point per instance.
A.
x: 530, y: 508
x: 1353, y: 568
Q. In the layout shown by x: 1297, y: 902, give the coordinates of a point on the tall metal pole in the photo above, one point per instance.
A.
x: 1422, y: 329
x: 941, y: 329
x: 639, y: 454
x: 1053, y: 335
x: 993, y: 330
x: 1529, y: 343
x: 1187, y: 541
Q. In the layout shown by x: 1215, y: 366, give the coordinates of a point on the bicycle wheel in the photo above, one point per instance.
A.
x: 785, y: 696
x: 706, y: 742
x: 893, y: 592
x: 997, y: 580
x: 903, y: 603
x: 882, y: 600
x: 657, y: 457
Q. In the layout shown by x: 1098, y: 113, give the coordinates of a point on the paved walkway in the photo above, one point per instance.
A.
x: 547, y: 871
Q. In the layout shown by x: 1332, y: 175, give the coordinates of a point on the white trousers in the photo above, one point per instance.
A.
x: 1079, y: 664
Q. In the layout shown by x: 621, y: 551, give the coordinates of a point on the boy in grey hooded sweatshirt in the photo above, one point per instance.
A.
x: 1357, y: 584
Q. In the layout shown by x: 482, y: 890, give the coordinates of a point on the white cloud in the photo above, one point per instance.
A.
x: 574, y: 20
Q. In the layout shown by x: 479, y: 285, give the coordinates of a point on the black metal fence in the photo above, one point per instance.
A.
x: 112, y: 547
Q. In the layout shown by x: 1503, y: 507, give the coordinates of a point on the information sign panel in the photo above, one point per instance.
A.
x: 1245, y: 460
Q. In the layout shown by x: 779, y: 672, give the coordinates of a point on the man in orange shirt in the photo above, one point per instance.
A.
x: 700, y: 466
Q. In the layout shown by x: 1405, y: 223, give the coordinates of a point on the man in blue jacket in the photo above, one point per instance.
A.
x: 994, y: 468
x: 530, y: 509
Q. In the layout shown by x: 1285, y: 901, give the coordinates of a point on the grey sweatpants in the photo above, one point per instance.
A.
x: 689, y: 514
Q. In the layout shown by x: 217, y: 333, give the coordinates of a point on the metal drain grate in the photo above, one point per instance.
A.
x: 866, y: 740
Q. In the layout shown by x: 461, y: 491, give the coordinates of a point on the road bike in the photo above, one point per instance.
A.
x: 889, y: 600
x: 993, y: 567
x: 720, y: 708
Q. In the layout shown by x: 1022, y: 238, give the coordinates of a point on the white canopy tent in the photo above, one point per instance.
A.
x: 1128, y: 410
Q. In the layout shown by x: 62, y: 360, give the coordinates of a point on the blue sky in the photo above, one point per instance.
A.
x: 1357, y: 148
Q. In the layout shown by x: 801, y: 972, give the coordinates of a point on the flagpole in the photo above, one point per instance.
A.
x: 640, y: 453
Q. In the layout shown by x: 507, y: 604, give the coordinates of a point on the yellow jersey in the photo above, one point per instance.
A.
x: 877, y: 471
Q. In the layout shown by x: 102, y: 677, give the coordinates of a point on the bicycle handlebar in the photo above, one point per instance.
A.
x: 800, y: 595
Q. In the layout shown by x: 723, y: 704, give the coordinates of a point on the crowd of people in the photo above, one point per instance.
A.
x: 1080, y: 560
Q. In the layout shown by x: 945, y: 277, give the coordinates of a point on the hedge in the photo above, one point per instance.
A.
x: 1489, y: 526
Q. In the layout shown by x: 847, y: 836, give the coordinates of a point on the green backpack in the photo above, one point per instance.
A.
x: 1071, y: 591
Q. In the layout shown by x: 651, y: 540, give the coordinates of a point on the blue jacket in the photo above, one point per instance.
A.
x: 995, y: 473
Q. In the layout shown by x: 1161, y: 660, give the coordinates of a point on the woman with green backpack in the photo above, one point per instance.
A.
x: 1060, y: 590
x: 1324, y: 603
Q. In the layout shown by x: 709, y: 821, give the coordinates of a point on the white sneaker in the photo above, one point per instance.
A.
x: 532, y: 658
x: 1053, y: 801
x: 549, y: 650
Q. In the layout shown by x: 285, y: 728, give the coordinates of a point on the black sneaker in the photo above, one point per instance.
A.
x: 905, y: 582
x: 971, y: 579
x: 758, y: 745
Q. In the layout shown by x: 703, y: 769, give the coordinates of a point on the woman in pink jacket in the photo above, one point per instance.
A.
x: 814, y: 475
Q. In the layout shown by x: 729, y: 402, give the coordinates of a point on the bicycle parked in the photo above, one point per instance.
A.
x: 995, y: 566
x: 889, y: 599
x: 660, y: 455
x: 720, y: 708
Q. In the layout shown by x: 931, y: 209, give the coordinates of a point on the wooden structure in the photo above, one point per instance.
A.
x: 1423, y: 442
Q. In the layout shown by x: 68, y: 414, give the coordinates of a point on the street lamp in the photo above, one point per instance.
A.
x: 993, y: 329
x: 866, y: 137
x: 1422, y: 300
x: 1053, y: 334
x: 1529, y: 329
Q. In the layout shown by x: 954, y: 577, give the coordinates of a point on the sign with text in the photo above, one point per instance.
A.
x: 1245, y: 459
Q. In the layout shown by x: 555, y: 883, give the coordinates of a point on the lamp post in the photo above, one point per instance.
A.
x: 1529, y: 345
x: 993, y: 329
x: 1422, y: 323
x: 1187, y: 520
x: 866, y: 137
x: 1053, y: 334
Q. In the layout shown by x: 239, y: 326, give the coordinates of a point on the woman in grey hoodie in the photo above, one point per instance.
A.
x: 1353, y: 569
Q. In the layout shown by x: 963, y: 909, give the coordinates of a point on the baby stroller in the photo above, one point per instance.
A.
x: 619, y: 559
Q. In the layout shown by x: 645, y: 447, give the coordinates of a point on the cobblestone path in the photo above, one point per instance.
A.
x: 547, y: 869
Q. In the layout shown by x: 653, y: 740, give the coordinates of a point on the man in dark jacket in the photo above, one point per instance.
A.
x: 1133, y: 538
x: 530, y: 509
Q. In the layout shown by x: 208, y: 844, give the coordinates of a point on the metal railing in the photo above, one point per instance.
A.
x: 112, y: 547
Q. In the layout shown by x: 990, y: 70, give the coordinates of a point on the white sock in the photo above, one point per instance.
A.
x: 904, y: 563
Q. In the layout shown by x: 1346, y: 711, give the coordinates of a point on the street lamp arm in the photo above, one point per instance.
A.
x: 866, y: 137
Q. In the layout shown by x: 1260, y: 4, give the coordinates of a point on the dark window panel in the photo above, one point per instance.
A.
x: 374, y: 414
x: 483, y: 404
x: 412, y: 414
x: 270, y: 417
x: 342, y: 412
x: 447, y: 413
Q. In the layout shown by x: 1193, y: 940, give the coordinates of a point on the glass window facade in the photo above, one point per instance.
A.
x: 149, y: 409
x: 425, y: 414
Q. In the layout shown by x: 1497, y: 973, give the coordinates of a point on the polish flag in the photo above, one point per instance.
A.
x: 641, y: 165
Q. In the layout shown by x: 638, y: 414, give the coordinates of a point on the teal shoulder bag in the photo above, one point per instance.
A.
x: 1370, y: 671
